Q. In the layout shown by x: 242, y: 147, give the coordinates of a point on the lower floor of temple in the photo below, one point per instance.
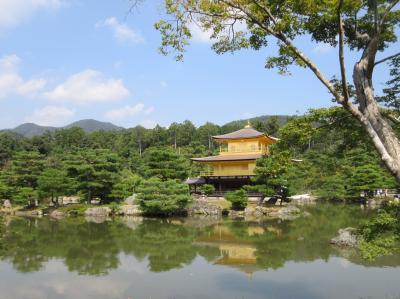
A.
x: 220, y: 183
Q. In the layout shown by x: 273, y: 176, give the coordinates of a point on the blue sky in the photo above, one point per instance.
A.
x: 65, y: 60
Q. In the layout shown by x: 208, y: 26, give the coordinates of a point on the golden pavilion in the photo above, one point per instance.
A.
x: 234, y: 166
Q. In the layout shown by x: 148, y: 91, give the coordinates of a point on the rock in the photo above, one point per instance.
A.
x: 130, y: 210
x: 7, y: 204
x: 98, y: 212
x: 347, y: 237
x: 201, y: 207
x: 237, y: 214
x: 289, y: 212
x: 303, y: 199
x: 130, y: 200
x: 66, y: 200
x: 57, y: 214
x: 249, y: 211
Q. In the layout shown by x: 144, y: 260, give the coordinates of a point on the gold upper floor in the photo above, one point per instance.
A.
x: 245, y: 146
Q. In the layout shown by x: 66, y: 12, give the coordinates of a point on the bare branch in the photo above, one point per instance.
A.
x: 387, y: 58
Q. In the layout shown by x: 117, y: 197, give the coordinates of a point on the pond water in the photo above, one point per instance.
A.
x: 191, y: 258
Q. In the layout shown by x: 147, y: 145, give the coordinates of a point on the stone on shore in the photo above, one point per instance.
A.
x: 98, y: 212
x: 202, y: 207
x: 57, y: 214
x: 7, y: 204
x: 130, y: 210
x: 289, y: 212
x: 347, y: 237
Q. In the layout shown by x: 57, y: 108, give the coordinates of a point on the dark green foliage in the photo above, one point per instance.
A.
x: 26, y: 168
x: 391, y: 96
x: 53, y: 183
x: 239, y: 199
x: 25, y: 196
x: 126, y: 185
x: 272, y: 172
x: 96, y: 171
x: 164, y: 163
x: 369, y: 177
x: 207, y: 189
x: 158, y: 197
x: 381, y: 234
x: 332, y: 188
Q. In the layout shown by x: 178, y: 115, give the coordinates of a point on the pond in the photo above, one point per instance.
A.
x: 191, y: 258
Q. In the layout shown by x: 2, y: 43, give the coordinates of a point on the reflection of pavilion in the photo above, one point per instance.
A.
x: 234, y: 252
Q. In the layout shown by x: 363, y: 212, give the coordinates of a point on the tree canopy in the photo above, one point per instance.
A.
x: 368, y: 27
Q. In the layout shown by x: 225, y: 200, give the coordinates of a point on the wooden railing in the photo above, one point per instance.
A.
x: 247, y: 149
x: 230, y: 172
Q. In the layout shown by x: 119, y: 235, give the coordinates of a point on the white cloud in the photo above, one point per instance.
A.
x: 322, y: 48
x: 148, y: 124
x: 88, y: 86
x: 50, y: 116
x: 122, y: 32
x: 12, y: 83
x: 125, y: 112
x: 13, y: 12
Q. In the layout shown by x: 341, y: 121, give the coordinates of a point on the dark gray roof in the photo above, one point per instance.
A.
x: 196, y: 181
x: 222, y: 158
x: 242, y: 133
x: 245, y: 133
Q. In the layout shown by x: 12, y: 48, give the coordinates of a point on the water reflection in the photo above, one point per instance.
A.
x: 211, y: 255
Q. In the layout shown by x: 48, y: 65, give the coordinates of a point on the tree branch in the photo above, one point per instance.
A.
x: 387, y: 58
x: 386, y: 13
x: 341, y: 53
x: 282, y: 37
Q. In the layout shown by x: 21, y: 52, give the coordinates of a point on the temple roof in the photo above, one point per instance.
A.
x: 222, y: 158
x: 245, y: 133
x: 196, y: 181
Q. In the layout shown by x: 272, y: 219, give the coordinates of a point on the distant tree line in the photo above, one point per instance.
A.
x: 338, y: 161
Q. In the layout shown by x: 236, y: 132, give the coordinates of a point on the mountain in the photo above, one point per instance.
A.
x: 91, y: 125
x: 88, y: 125
x: 282, y: 119
x: 30, y: 129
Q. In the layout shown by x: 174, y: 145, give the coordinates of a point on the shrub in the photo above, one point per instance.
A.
x: 114, y: 206
x: 238, y: 199
x: 163, y: 198
x: 332, y: 188
x: 207, y: 189
x: 381, y: 234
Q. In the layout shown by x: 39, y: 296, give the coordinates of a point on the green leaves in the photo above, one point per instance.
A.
x: 165, y: 198
x: 164, y: 163
x: 381, y: 234
x: 239, y: 199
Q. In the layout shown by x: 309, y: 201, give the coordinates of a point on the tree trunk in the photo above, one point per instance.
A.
x: 379, y: 130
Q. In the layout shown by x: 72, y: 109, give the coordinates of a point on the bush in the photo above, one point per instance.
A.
x: 238, y: 199
x: 381, y: 234
x: 332, y: 188
x: 163, y: 198
x: 114, y: 206
x: 207, y: 189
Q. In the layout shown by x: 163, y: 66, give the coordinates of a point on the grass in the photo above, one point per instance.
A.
x: 77, y: 209
x: 222, y: 203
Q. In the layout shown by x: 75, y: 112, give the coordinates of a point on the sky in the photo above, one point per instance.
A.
x: 66, y: 60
